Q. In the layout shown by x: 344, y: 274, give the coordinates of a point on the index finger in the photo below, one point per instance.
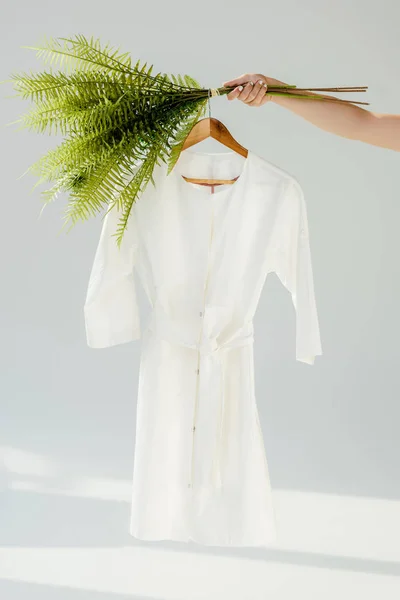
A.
x: 237, y: 81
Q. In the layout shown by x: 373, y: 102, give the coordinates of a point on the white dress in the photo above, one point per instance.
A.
x: 200, y: 470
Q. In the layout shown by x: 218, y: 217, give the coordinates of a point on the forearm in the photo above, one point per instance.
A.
x: 346, y: 120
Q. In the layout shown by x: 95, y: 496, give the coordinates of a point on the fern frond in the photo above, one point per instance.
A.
x: 59, y: 85
x: 182, y: 134
x: 113, y: 114
x: 132, y: 190
x: 97, y: 185
x: 87, y: 54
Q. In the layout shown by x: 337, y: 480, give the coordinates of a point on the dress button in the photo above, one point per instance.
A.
x: 201, y: 314
x: 197, y: 371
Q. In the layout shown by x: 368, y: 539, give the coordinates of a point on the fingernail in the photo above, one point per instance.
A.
x: 240, y: 88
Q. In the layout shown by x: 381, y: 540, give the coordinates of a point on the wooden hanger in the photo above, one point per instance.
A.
x: 211, y: 127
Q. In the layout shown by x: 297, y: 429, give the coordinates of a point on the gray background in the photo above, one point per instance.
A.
x: 330, y: 430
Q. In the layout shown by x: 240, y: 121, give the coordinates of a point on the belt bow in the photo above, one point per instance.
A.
x: 211, y: 332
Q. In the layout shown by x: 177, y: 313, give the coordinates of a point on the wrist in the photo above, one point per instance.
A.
x: 271, y: 82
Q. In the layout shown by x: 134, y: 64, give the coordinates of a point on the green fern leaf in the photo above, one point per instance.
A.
x: 182, y: 135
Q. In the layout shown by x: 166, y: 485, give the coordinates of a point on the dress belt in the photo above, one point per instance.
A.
x: 212, y: 343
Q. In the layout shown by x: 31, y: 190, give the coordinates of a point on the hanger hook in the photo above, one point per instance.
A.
x: 211, y: 92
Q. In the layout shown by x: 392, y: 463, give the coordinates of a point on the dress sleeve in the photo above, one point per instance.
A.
x: 111, y: 309
x: 293, y: 266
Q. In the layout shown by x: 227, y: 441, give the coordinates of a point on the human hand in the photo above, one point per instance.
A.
x: 251, y: 88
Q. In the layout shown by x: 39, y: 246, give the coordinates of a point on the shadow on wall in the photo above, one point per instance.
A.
x: 15, y: 590
x: 41, y: 508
